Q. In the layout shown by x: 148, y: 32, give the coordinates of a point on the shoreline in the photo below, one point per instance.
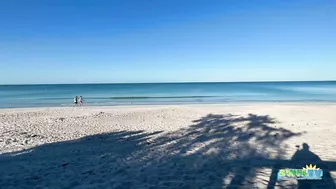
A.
x: 308, y: 103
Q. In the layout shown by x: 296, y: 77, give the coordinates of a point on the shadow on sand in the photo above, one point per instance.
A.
x: 217, y: 151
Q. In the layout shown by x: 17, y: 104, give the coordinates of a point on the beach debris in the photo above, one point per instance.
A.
x: 100, y: 113
x: 34, y: 136
x: 8, y: 141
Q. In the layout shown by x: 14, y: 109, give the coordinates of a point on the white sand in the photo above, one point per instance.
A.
x: 189, y: 146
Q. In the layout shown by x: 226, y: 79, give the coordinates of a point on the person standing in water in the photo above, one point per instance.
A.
x: 76, y: 101
x: 81, y: 100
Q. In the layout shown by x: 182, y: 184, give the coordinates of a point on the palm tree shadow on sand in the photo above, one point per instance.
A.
x: 217, y: 151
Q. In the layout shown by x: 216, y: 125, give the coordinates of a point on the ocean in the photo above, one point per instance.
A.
x: 14, y: 96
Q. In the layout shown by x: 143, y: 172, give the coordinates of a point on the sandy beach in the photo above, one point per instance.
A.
x: 185, y: 146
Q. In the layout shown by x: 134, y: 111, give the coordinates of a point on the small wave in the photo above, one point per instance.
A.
x: 158, y: 97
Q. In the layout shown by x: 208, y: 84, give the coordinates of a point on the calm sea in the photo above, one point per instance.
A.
x: 166, y: 93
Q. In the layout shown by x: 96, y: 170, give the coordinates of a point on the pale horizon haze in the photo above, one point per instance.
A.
x: 144, y: 41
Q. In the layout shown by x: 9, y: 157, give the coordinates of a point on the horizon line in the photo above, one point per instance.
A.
x: 176, y: 82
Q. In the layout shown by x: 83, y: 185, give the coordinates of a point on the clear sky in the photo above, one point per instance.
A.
x: 85, y: 41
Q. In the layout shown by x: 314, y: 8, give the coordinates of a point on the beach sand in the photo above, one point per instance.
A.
x: 185, y: 146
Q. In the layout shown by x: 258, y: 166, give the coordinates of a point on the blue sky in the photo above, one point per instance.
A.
x: 88, y: 41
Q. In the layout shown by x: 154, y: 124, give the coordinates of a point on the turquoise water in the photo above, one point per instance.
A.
x: 166, y: 93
